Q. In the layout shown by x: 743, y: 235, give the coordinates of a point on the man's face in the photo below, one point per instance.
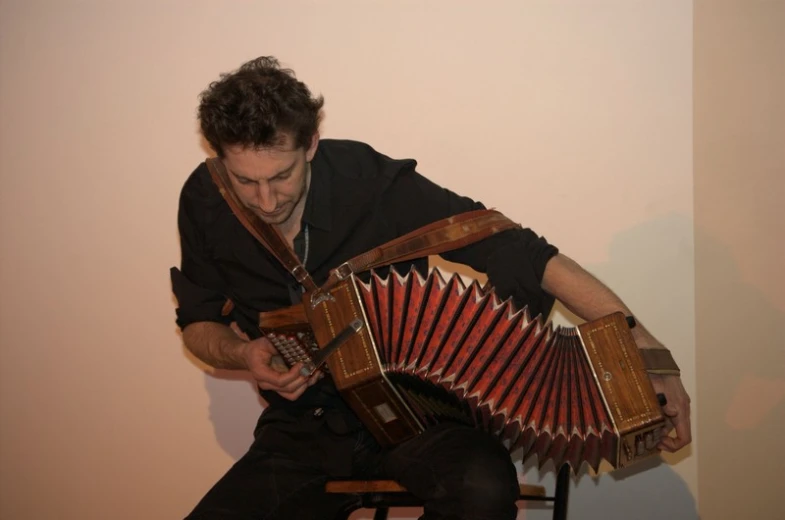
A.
x: 271, y: 182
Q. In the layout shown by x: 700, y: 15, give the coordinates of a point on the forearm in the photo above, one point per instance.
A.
x: 216, y: 344
x: 587, y: 297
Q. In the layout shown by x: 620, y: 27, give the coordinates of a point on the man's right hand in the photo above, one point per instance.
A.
x: 270, y: 373
x: 227, y: 347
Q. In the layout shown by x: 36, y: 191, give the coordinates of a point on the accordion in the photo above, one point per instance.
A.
x: 432, y: 349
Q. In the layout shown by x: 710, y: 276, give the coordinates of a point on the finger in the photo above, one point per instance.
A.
x: 672, y: 444
x: 292, y: 396
x: 670, y: 410
x: 683, y: 432
x: 291, y: 385
x: 667, y: 428
x: 297, y: 379
x: 279, y: 380
x: 294, y: 390
x: 682, y: 437
x: 316, y: 376
x: 278, y: 364
x: 281, y: 389
x: 295, y: 385
x: 668, y: 444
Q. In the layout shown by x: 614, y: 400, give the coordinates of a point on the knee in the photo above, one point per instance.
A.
x: 460, y: 472
x: 489, y: 476
x: 486, y: 481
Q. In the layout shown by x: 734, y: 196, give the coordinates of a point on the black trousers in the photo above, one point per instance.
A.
x: 460, y: 472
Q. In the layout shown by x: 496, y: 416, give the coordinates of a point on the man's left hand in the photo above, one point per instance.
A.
x: 676, y: 410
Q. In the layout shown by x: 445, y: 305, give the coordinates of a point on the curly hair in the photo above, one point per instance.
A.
x: 258, y: 106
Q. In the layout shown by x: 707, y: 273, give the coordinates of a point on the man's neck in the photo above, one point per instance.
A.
x: 290, y: 228
x: 293, y: 224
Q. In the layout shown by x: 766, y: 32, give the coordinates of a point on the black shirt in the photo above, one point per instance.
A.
x: 358, y: 199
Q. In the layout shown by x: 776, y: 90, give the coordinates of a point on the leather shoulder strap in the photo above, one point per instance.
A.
x: 440, y: 236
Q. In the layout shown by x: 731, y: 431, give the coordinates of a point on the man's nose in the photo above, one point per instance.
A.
x: 267, y: 200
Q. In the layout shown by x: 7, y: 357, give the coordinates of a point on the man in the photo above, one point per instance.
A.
x: 332, y: 200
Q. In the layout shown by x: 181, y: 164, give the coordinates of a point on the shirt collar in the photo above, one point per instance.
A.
x: 317, y: 212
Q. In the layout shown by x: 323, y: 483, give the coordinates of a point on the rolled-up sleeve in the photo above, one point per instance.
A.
x: 197, y: 284
x: 514, y: 260
x: 516, y: 268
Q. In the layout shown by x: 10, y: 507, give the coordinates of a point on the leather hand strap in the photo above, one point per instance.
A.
x: 659, y: 361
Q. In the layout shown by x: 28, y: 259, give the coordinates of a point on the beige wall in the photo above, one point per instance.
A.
x: 574, y: 119
x: 739, y: 256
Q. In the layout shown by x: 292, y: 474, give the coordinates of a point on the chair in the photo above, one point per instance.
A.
x: 381, y: 495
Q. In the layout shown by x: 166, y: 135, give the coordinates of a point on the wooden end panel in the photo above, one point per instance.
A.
x: 356, y: 361
x: 383, y: 411
x: 619, y: 371
x: 625, y: 386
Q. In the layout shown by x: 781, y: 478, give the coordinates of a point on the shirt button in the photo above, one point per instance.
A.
x: 318, y: 412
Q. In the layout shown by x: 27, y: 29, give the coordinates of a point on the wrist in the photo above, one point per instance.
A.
x: 241, y: 350
x: 643, y: 339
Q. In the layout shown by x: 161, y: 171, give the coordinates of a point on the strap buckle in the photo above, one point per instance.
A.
x: 300, y: 274
x: 320, y: 296
x: 343, y: 271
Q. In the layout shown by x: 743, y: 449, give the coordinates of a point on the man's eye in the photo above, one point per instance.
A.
x: 243, y: 180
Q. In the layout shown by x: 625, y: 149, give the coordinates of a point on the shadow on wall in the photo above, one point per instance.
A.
x: 741, y: 347
x: 649, y: 490
x: 235, y: 406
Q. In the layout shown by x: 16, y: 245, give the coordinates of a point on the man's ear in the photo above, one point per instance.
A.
x: 312, y: 148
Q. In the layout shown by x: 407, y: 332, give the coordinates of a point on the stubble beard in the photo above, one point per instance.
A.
x: 276, y: 220
x: 284, y: 220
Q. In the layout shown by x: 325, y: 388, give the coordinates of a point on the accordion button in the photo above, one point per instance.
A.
x: 639, y: 447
